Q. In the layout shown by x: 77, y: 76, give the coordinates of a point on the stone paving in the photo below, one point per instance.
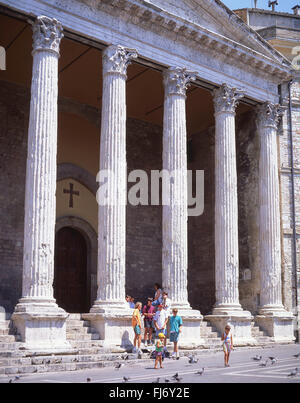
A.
x: 243, y: 369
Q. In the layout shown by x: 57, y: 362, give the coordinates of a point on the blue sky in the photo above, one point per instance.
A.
x: 283, y: 5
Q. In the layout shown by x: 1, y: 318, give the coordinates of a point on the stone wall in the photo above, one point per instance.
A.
x: 247, y: 145
x: 14, y: 113
x: 291, y: 274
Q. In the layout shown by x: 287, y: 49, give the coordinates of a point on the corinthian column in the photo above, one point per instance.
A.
x: 271, y: 312
x: 37, y: 303
x: 227, y: 307
x: 112, y: 196
x: 174, y: 261
x: 175, y: 246
x: 226, y: 203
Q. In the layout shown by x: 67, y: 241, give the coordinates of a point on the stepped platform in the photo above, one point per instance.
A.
x: 89, y: 352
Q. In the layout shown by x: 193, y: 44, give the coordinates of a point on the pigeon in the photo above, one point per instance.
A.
x: 273, y: 360
x: 257, y: 358
x: 200, y: 372
x: 119, y: 365
x: 17, y: 378
x: 263, y: 364
x: 125, y: 356
x: 296, y: 355
x: 88, y: 379
x: 125, y: 379
x: 175, y: 376
x: 157, y: 380
x: 293, y: 373
x: 178, y: 379
x: 193, y: 360
x: 167, y: 380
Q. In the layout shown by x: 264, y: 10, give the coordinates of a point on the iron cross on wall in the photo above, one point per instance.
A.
x: 72, y: 193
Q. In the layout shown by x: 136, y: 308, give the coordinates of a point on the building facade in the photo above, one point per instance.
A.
x: 120, y: 86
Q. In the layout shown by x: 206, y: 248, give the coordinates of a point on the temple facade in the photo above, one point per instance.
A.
x: 105, y: 94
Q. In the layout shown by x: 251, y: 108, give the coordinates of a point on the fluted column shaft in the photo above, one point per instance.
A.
x: 226, y: 202
x: 112, y: 212
x: 269, y: 214
x: 40, y: 200
x: 175, y: 252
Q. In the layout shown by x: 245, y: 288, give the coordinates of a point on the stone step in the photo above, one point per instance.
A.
x: 9, y: 338
x: 86, y: 343
x: 81, y: 330
x: 83, y: 337
x: 84, y: 363
x: 73, y: 316
x: 16, y: 345
x: 77, y: 323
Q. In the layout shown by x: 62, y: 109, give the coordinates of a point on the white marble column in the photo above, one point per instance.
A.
x: 110, y: 313
x: 174, y: 220
x: 226, y: 202
x: 112, y: 210
x: 37, y: 314
x: 227, y: 305
x: 175, y: 244
x: 269, y: 225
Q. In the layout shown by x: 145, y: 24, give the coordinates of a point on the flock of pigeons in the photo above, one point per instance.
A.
x: 175, y: 378
x: 273, y: 361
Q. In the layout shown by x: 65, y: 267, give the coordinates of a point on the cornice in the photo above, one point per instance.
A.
x: 140, y: 13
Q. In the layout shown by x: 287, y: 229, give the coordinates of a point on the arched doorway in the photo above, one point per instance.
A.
x: 70, y: 273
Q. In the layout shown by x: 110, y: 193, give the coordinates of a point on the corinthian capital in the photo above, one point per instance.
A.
x: 47, y: 34
x: 177, y: 80
x: 116, y: 59
x: 226, y: 98
x: 269, y: 114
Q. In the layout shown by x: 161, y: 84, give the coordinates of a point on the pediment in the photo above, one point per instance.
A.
x: 214, y: 16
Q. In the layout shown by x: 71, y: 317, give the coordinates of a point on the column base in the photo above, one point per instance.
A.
x: 190, y: 337
x: 2, y: 317
x: 42, y: 325
x: 277, y: 323
x: 112, y: 320
x: 238, y: 319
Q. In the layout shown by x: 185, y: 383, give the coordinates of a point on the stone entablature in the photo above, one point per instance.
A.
x: 139, y: 26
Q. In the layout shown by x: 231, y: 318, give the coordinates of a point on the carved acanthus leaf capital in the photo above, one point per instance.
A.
x: 177, y: 80
x: 226, y: 98
x: 269, y: 114
x: 116, y: 59
x: 47, y: 34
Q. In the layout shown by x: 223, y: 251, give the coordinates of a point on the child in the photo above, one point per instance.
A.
x: 227, y: 344
x: 159, y: 345
x: 137, y: 326
x: 175, y: 330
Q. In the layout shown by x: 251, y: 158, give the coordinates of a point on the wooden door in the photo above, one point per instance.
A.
x: 70, y: 274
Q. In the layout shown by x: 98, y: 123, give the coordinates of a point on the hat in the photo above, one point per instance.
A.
x: 161, y: 335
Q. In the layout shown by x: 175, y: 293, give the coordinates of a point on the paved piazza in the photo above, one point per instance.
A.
x: 242, y: 370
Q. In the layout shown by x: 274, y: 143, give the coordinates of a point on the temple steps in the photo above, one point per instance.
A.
x: 88, y: 351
